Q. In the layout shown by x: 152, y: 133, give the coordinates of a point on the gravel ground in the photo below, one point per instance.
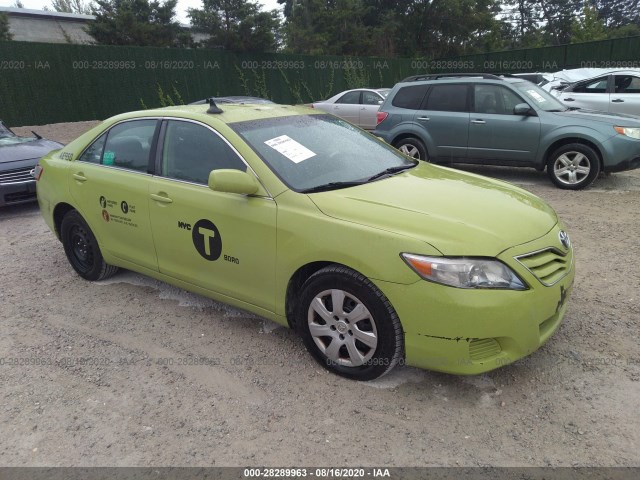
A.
x: 132, y: 371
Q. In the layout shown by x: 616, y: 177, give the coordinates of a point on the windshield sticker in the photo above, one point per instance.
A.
x: 536, y: 96
x: 291, y: 149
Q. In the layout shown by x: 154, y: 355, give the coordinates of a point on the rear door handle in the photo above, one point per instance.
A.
x: 617, y: 100
x: 478, y: 122
x: 80, y: 177
x: 161, y: 198
x: 569, y: 99
x: 426, y: 119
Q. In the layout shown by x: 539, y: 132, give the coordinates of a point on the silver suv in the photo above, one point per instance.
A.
x: 486, y: 119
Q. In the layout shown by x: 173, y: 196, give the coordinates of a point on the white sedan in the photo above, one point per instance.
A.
x: 358, y: 106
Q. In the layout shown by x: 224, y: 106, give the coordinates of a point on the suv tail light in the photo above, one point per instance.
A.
x: 381, y: 116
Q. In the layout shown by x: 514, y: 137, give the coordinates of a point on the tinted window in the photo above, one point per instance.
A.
x: 595, y: 86
x: 371, y: 98
x: 351, y: 98
x: 448, y: 98
x: 191, y: 151
x: 410, y: 97
x: 627, y: 84
x: 296, y: 149
x: 495, y: 99
x: 129, y: 145
x: 93, y: 154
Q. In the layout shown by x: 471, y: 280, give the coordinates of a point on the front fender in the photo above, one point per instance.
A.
x: 586, y: 134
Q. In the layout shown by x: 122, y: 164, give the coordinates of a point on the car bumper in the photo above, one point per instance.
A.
x: 621, y: 153
x: 17, y: 193
x: 474, y: 331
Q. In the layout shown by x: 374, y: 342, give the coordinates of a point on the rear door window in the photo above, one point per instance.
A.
x: 351, y: 98
x: 448, y: 98
x: 627, y: 84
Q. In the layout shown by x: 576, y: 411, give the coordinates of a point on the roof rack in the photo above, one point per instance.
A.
x: 438, y: 76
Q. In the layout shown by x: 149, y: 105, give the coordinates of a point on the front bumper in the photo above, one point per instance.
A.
x: 474, y: 331
x: 621, y: 153
x: 17, y: 193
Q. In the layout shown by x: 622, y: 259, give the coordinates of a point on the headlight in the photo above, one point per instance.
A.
x: 628, y: 131
x: 465, y: 272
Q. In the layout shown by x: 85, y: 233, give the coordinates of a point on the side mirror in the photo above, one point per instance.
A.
x: 233, y: 181
x: 380, y: 102
x: 523, y: 109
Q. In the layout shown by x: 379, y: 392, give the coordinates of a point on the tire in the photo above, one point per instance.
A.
x: 574, y: 166
x: 82, y: 250
x: 336, y: 337
x: 413, y: 148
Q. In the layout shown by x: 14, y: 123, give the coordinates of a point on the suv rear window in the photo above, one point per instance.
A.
x: 448, y: 98
x: 410, y: 97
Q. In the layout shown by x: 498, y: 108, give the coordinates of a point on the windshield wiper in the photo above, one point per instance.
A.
x: 390, y: 171
x: 332, y: 186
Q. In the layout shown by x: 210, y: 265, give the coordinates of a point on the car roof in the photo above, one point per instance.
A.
x: 231, y: 113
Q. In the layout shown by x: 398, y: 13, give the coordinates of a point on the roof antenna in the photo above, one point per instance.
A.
x: 213, y: 108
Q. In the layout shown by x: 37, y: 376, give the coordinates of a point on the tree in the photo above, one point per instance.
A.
x: 589, y: 27
x: 18, y: 4
x: 236, y: 25
x: 72, y: 6
x: 5, y: 34
x: 137, y: 22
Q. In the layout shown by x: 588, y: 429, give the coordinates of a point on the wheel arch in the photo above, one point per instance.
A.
x: 566, y: 141
x: 59, y: 212
x: 297, y: 280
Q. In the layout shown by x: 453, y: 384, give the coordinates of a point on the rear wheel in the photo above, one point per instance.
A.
x: 348, y: 325
x: 412, y: 147
x: 82, y: 250
x: 573, y: 167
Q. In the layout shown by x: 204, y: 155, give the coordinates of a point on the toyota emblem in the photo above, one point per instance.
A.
x: 564, y: 239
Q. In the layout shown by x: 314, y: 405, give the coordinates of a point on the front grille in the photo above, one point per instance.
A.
x: 17, y: 175
x: 549, y: 265
x: 483, y: 348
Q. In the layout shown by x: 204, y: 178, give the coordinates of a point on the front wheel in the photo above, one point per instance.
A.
x: 82, y: 250
x: 412, y: 147
x: 348, y: 325
x: 573, y: 167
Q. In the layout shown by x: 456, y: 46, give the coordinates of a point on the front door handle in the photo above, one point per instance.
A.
x: 161, y: 198
x: 426, y: 119
x: 569, y: 99
x: 80, y: 177
x: 617, y: 100
x: 478, y: 122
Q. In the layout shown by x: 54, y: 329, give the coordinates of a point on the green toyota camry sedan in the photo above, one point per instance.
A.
x: 376, y: 259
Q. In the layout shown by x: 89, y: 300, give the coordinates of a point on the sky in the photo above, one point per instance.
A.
x: 181, y: 10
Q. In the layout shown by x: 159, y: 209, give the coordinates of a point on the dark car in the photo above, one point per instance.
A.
x: 18, y: 157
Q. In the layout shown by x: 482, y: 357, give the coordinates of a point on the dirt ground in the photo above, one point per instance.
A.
x: 132, y: 371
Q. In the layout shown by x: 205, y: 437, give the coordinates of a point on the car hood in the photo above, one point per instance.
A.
x: 13, y: 149
x: 457, y: 213
x: 603, y: 117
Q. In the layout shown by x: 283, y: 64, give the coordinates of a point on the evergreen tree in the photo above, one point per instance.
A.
x: 137, y: 22
x: 236, y: 25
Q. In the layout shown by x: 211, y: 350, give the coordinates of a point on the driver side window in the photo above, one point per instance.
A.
x: 191, y: 151
x: 598, y: 85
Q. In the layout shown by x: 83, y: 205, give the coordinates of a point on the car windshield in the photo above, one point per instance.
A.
x: 310, y: 152
x: 542, y: 99
x: 384, y: 93
x: 5, y: 132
